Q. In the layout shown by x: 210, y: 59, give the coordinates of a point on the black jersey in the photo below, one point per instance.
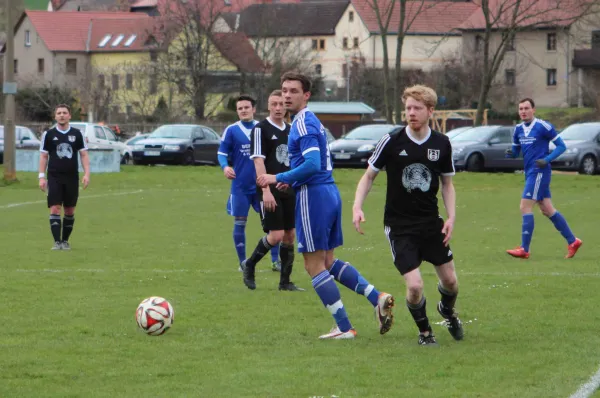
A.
x: 62, y: 149
x: 413, y: 171
x: 270, y: 142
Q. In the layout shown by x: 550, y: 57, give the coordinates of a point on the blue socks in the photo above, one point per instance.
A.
x: 239, y: 238
x: 561, y: 225
x: 527, y: 231
x: 349, y: 276
x: 329, y: 294
x: 275, y: 253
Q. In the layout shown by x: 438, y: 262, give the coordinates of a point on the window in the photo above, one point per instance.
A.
x: 153, y: 84
x: 510, y: 41
x: 551, y: 42
x: 181, y: 86
x: 509, y: 77
x: 345, y: 42
x: 355, y: 42
x: 211, y: 135
x: 129, y: 81
x: 596, y: 39
x: 71, y: 66
x: 318, y: 69
x: 153, y: 56
x: 321, y: 44
x: 117, y: 40
x: 115, y: 110
x: 27, y: 38
x: 344, y: 70
x: 478, y: 43
x: 99, y: 133
x: 104, y: 40
x: 130, y: 41
x: 351, y: 16
x: 115, y: 82
x: 41, y: 66
x: 129, y: 110
x: 101, y: 81
x: 315, y: 44
x: 551, y: 77
x: 110, y: 135
x: 16, y: 66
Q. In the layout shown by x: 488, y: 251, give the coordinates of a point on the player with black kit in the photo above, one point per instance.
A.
x: 58, y: 154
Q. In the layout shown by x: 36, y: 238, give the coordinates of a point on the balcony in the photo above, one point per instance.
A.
x: 587, y: 58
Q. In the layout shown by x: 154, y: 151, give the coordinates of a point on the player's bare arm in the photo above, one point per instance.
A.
x: 449, y: 197
x: 362, y: 190
x: 42, y: 170
x: 268, y: 198
x: 85, y: 163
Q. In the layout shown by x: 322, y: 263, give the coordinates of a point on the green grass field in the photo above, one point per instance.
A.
x: 69, y: 328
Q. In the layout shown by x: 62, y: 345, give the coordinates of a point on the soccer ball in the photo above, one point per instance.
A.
x: 154, y: 316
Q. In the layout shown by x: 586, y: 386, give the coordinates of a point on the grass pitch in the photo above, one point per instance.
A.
x: 69, y: 328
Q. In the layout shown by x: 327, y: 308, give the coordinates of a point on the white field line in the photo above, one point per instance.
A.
x: 588, y: 389
x: 11, y: 205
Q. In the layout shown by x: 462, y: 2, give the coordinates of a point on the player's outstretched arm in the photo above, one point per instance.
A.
x: 362, y: 190
x: 449, y: 197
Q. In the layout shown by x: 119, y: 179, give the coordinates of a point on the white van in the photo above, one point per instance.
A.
x: 99, y: 136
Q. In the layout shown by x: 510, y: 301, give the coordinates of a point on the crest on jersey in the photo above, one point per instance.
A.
x: 64, y: 150
x: 433, y: 154
x: 281, y: 153
x: 416, y: 176
x: 72, y: 138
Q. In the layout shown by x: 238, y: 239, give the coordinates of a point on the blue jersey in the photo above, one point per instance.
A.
x: 534, y: 139
x: 235, y: 144
x: 308, y: 134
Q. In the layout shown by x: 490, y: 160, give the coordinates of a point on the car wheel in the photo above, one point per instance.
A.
x: 125, y: 159
x: 475, y: 162
x: 588, y: 165
x: 188, y: 158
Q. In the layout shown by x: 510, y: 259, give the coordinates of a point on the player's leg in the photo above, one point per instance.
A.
x: 313, y: 240
x: 288, y: 206
x: 560, y: 223
x: 70, y: 201
x: 257, y: 204
x: 238, y: 207
x: 55, y: 200
x: 527, y: 225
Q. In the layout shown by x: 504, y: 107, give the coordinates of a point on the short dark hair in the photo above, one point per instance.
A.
x: 297, y: 77
x: 246, y: 97
x: 62, y: 106
x: 530, y: 101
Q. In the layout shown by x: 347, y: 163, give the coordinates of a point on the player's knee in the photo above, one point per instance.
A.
x: 289, y: 237
x: 414, y: 290
x: 526, y: 208
x: 275, y: 237
x: 69, y: 211
x: 450, y: 283
x: 55, y: 209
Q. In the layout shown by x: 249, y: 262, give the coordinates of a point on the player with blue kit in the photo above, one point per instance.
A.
x: 319, y: 213
x: 235, y: 148
x: 532, y: 138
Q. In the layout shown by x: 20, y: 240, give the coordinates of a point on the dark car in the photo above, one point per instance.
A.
x: 583, y: 149
x: 483, y: 148
x: 356, y: 147
x: 178, y: 144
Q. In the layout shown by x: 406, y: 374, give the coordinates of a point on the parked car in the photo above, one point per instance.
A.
x: 25, y: 138
x: 583, y: 149
x: 483, y: 148
x: 454, y: 132
x: 130, y: 145
x: 356, y: 147
x: 178, y: 144
x: 100, y: 136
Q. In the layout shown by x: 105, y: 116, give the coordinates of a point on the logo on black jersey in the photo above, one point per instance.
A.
x: 64, y: 150
x: 72, y: 138
x: 416, y: 176
x: 282, y: 155
x: 433, y: 154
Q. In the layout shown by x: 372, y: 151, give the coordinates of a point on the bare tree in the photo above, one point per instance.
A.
x: 501, y: 20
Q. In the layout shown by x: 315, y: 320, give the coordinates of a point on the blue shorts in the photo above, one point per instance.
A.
x: 537, y: 186
x: 318, y: 218
x: 238, y: 205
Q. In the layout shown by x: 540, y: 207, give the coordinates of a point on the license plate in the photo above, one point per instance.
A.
x: 152, y: 153
x: 342, y: 156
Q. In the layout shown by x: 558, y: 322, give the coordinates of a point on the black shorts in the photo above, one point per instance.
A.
x: 63, y: 190
x: 409, y: 250
x: 284, y: 216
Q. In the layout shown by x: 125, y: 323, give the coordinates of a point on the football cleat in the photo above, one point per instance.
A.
x: 65, y: 245
x: 573, y: 247
x: 57, y: 246
x: 248, y: 276
x: 383, y: 312
x: 428, y: 339
x: 276, y: 266
x: 336, y: 334
x: 452, y: 322
x: 519, y: 252
x: 291, y: 287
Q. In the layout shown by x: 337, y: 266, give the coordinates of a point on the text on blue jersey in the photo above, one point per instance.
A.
x: 533, y: 140
x: 235, y: 145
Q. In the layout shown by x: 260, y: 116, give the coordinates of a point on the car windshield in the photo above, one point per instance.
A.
x: 78, y: 126
x: 478, y: 134
x: 170, y: 131
x: 370, y: 132
x: 1, y: 132
x: 457, y: 131
x: 580, y: 132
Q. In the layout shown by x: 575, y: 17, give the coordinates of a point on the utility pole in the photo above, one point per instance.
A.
x: 9, y: 90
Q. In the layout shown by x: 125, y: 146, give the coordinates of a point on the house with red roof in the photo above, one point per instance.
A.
x: 106, y: 57
x: 554, y: 56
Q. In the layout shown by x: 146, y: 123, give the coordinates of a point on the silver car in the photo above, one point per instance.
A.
x: 583, y: 149
x: 483, y: 148
x: 25, y: 138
